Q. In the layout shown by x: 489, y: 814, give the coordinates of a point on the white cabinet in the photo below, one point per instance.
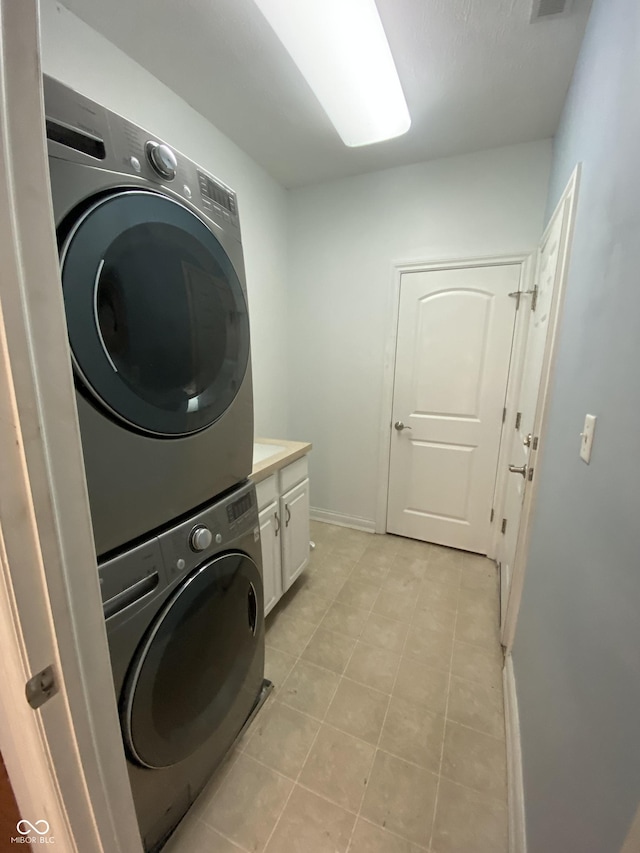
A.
x: 271, y: 558
x: 294, y: 509
x: 283, y: 506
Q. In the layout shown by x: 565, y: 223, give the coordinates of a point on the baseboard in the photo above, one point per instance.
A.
x: 515, y: 788
x: 343, y: 520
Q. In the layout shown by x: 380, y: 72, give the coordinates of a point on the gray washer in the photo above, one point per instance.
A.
x: 186, y: 637
x: 155, y: 296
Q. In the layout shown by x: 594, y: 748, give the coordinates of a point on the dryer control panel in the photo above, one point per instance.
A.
x: 80, y: 130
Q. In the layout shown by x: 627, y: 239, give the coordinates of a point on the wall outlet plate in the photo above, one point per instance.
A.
x: 586, y: 438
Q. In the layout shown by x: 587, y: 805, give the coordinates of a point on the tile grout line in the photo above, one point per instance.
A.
x: 391, y: 832
x: 313, y: 743
x: 422, y: 707
x: 446, y: 716
x: 350, y: 811
x: 386, y: 713
x: 226, y: 838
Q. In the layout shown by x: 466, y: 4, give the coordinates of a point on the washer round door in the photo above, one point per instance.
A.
x: 157, y: 317
x: 194, y: 661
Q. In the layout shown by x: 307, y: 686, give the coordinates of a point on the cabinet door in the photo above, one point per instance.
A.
x: 271, y: 559
x: 294, y: 506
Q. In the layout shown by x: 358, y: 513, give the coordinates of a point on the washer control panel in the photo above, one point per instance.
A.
x: 200, y: 538
x: 164, y: 559
x: 214, y: 529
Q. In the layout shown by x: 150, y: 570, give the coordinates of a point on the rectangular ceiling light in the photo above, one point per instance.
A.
x: 342, y: 51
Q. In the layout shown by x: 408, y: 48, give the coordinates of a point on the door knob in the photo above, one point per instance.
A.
x: 518, y: 469
x: 400, y: 426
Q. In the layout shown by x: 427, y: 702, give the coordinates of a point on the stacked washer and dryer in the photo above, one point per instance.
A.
x: 154, y: 290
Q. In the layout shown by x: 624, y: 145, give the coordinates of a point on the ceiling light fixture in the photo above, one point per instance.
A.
x: 342, y: 51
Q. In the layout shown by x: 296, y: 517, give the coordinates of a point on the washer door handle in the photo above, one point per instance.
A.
x: 252, y: 608
x: 130, y: 595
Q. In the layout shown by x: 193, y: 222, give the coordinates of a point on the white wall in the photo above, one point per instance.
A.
x: 344, y: 237
x: 80, y: 57
x: 577, y: 647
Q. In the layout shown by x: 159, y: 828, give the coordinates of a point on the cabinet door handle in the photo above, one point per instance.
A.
x: 286, y: 506
x: 277, y: 522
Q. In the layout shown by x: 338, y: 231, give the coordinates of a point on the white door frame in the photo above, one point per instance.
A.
x: 66, y: 760
x: 398, y: 270
x: 568, y: 201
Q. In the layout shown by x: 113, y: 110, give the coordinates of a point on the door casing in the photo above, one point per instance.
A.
x: 65, y: 759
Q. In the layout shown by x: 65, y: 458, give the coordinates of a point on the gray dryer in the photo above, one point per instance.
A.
x: 154, y: 288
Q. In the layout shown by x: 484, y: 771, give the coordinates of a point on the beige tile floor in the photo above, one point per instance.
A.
x: 385, y: 731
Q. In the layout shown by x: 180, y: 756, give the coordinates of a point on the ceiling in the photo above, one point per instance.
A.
x: 475, y: 73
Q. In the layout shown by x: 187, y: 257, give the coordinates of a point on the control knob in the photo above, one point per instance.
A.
x: 162, y: 159
x: 200, y: 538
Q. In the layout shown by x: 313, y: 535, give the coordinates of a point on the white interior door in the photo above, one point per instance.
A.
x: 524, y: 442
x: 455, y: 331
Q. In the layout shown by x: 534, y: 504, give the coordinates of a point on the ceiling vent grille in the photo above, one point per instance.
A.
x: 543, y: 9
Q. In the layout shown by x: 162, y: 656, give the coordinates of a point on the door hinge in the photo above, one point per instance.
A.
x: 493, y: 512
x: 518, y: 420
x: 41, y: 687
x: 516, y: 294
x: 503, y: 529
x: 504, y: 415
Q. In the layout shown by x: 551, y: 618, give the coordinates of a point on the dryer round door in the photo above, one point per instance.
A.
x: 189, y: 670
x: 157, y: 317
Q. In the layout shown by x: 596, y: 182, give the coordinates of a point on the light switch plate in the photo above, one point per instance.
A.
x: 586, y: 438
